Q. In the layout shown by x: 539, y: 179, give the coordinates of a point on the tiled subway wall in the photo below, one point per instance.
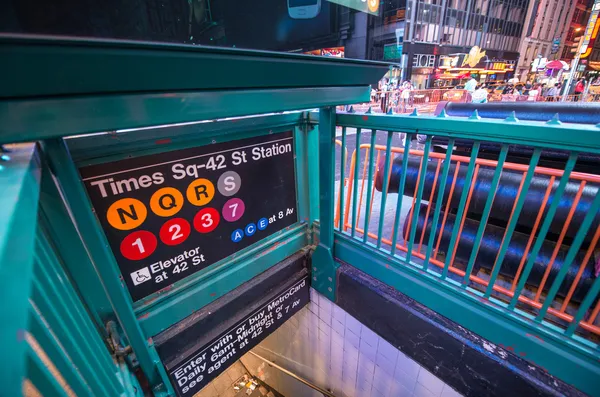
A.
x: 330, y: 348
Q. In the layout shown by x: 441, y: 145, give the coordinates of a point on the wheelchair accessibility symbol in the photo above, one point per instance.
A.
x: 140, y: 276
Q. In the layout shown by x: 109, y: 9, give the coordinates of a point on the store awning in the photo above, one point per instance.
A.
x: 557, y: 65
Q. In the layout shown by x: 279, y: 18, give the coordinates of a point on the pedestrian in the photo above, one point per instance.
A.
x: 405, y: 95
x: 471, y: 85
x: 383, y: 96
x: 552, y: 92
x: 533, y: 93
x: 508, y: 90
x: 480, y: 94
x: 579, y: 88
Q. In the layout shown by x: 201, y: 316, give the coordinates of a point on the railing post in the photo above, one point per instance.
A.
x: 19, y: 178
x: 323, y: 265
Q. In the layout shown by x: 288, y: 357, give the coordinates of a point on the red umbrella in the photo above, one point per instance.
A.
x: 557, y: 65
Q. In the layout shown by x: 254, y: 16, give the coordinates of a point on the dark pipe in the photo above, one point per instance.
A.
x: 505, y: 197
x: 579, y: 112
x: 490, y: 246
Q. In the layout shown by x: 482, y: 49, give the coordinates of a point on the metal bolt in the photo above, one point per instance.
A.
x: 314, y: 278
x: 315, y: 269
x: 330, y: 279
x: 330, y: 290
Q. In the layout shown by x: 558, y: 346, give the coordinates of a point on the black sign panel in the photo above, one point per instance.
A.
x: 169, y: 215
x: 210, y: 360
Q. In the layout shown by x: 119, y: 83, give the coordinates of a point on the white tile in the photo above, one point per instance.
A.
x: 313, y: 307
x: 314, y: 295
x: 399, y: 390
x: 366, y: 364
x: 325, y: 304
x: 389, y: 351
x: 324, y: 330
x: 353, y: 324
x: 348, y: 388
x: 349, y: 371
x: 422, y: 391
x: 430, y: 381
x: 385, y: 364
x: 352, y: 338
x: 407, y: 380
x: 363, y: 388
x: 369, y: 336
x: 337, y: 340
x: 325, y: 316
x: 350, y: 352
x: 382, y: 380
x: 368, y: 350
x: 407, y: 365
x: 450, y: 392
x: 376, y: 393
x: 339, y: 314
x: 338, y: 327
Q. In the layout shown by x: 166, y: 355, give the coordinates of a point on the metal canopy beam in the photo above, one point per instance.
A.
x: 37, y: 119
x: 34, y: 66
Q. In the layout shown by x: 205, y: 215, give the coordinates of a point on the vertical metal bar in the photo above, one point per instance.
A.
x: 59, y: 283
x: 461, y: 205
x: 355, y: 192
x: 486, y: 213
x: 405, y: 155
x: 80, y: 338
x: 386, y: 184
x: 412, y: 204
x: 417, y: 205
x: 430, y: 200
x: 582, y: 267
x: 438, y: 204
x: 61, y: 230
x: 342, y: 178
x: 326, y: 173
x: 324, y: 267
x: 533, y: 232
x: 57, y: 356
x: 373, y: 182
x: 300, y: 142
x: 19, y: 181
x: 566, y: 266
x: 41, y: 377
x: 312, y: 153
x: 63, y: 333
x: 559, y: 242
x: 545, y: 226
x: 94, y: 239
x: 369, y: 187
x: 513, y: 220
x: 584, y: 306
x: 447, y: 209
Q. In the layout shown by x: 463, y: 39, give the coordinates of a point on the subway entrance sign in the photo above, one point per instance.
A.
x: 172, y: 214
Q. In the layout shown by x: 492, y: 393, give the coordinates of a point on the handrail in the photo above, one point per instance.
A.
x: 293, y: 375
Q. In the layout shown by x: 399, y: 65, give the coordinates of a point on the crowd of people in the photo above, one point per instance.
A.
x: 394, y: 94
x: 480, y: 93
x: 400, y: 96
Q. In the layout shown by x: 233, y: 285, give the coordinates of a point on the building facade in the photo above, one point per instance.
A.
x: 440, y: 39
x: 546, y: 27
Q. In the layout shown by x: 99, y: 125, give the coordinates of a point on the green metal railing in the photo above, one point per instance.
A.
x: 562, y: 337
x: 60, y: 349
x: 71, y: 323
